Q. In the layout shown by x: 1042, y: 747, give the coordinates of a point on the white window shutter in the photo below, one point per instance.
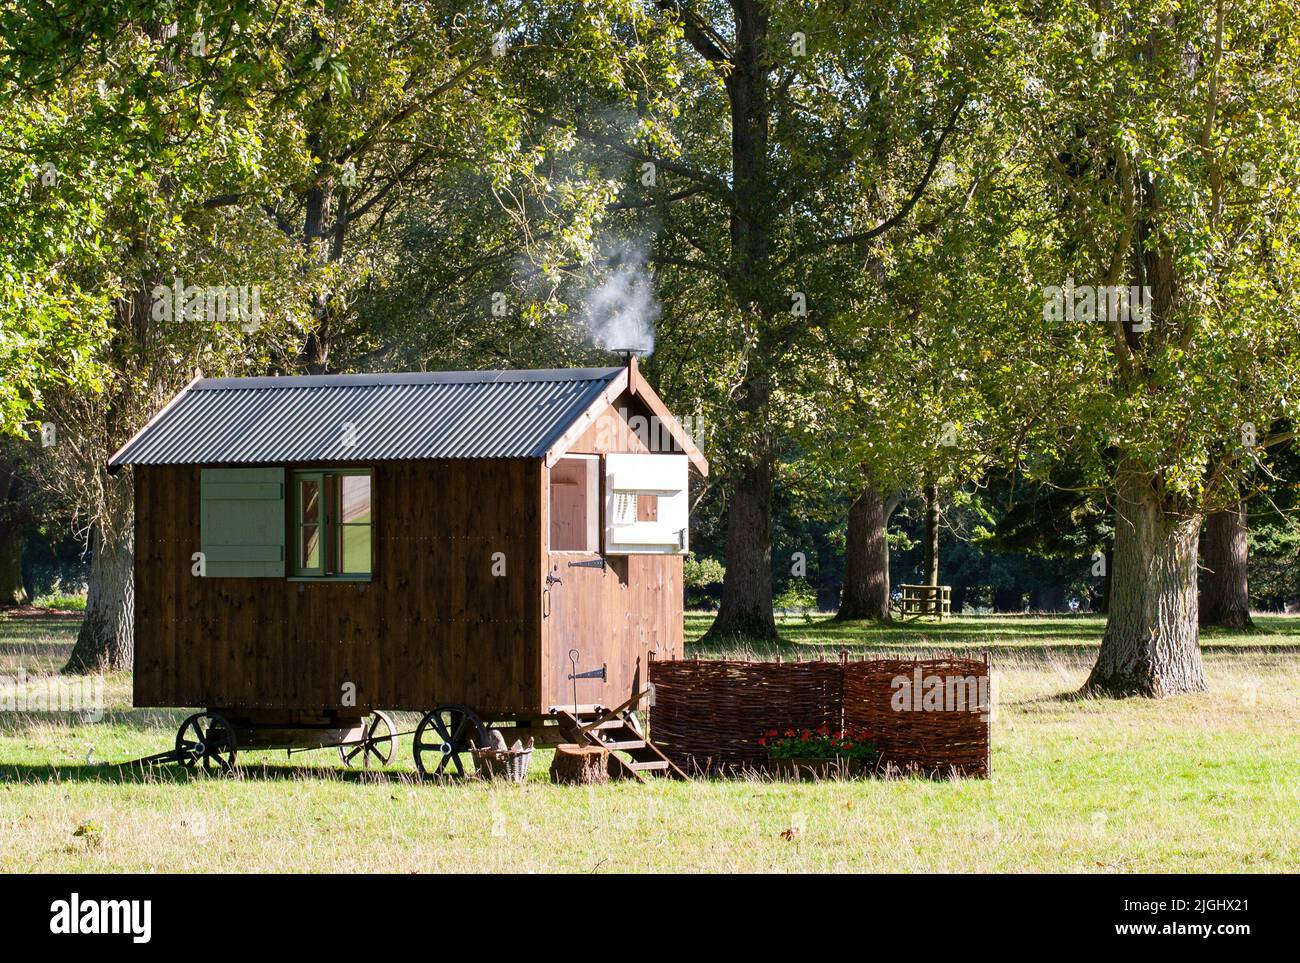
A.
x: 663, y: 477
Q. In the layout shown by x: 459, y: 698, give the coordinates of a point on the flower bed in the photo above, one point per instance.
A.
x: 821, y: 753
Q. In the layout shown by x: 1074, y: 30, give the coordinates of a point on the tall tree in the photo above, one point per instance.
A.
x: 14, y: 517
x: 156, y: 134
x: 270, y: 139
x: 1162, y: 130
x: 771, y: 191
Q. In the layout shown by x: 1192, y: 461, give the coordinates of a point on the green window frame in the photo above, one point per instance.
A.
x: 332, y: 524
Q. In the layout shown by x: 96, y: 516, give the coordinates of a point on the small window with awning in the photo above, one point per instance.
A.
x: 646, y: 504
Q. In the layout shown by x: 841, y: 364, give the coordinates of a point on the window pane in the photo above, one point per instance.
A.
x: 356, y: 549
x: 309, y: 547
x: 356, y: 499
x: 309, y: 501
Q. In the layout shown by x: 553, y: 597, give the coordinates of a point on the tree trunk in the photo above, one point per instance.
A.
x: 1103, y: 593
x: 1048, y: 598
x: 13, y: 518
x: 746, y: 608
x: 1008, y: 600
x: 866, y: 557
x: 930, y: 545
x: 106, y: 641
x: 1152, y: 642
x: 12, y: 591
x: 1225, y: 598
x: 959, y: 598
x: 930, y: 562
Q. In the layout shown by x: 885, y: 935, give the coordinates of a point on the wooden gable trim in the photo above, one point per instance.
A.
x: 632, y: 380
x: 616, y: 387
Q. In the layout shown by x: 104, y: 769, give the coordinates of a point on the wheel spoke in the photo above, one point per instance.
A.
x: 440, y: 727
x: 460, y: 731
x: 206, y: 738
x: 442, y: 765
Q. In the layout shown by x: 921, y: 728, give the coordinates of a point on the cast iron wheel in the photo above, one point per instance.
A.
x: 208, y: 738
x: 446, y: 734
x: 375, y: 746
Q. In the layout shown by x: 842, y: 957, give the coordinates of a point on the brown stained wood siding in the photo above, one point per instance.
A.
x: 434, y: 625
x: 615, y: 616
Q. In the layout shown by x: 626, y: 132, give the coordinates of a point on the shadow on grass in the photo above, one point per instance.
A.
x: 137, y: 773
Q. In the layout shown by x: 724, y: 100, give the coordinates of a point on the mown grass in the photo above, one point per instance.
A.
x: 1199, y: 783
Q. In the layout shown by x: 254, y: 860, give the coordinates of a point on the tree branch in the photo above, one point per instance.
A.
x: 653, y: 201
x: 393, y: 181
x: 863, y: 237
x: 672, y: 261
x: 706, y: 41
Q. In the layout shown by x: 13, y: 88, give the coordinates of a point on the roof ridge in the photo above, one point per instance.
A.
x: 494, y: 376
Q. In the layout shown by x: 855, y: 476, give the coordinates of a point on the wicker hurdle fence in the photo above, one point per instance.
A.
x: 709, y: 715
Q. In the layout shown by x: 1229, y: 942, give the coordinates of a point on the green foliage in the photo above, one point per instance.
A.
x: 700, y: 572
x: 1162, y: 157
x: 798, y: 597
x: 61, y: 601
x: 923, y: 182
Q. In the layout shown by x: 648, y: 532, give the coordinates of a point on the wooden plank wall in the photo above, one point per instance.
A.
x: 434, y: 625
x: 615, y: 616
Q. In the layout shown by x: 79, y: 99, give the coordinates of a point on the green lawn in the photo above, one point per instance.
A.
x: 1205, y: 783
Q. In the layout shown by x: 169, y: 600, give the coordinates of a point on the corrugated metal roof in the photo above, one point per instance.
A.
x: 450, y: 414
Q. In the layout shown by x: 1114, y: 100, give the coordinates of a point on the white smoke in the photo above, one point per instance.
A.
x: 621, y: 311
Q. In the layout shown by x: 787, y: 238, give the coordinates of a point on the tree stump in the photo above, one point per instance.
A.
x: 580, y: 765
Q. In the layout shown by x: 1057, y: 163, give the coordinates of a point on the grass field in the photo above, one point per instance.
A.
x: 1193, y: 784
